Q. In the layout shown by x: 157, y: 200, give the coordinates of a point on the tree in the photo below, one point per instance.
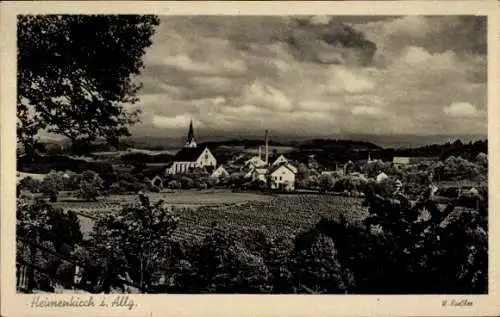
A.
x: 326, y: 182
x: 222, y: 263
x: 90, y: 185
x: 87, y: 75
x: 457, y: 168
x: 52, y: 184
x: 314, y: 264
x: 136, y: 238
x: 31, y: 184
x: 127, y: 182
x: 72, y: 180
x: 302, y: 176
x: 482, y: 162
x: 41, y: 224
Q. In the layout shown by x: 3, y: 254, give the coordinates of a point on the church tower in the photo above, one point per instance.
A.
x: 190, y: 142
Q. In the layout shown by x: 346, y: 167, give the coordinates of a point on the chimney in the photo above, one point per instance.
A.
x: 267, y: 151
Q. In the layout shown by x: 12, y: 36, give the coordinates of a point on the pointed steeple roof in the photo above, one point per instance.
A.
x: 190, y: 136
x: 190, y: 142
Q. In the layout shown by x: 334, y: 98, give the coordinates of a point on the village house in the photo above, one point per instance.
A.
x: 283, y: 177
x: 191, y: 156
x: 256, y: 161
x: 219, y: 172
x: 257, y: 173
x: 381, y: 177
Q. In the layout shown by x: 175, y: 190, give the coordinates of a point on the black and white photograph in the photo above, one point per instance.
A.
x: 251, y: 154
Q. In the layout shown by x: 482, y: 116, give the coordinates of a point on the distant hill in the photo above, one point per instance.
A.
x: 327, y: 151
x: 158, y: 143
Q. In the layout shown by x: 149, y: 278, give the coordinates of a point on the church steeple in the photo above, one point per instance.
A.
x: 190, y: 142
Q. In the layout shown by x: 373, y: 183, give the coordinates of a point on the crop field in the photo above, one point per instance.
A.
x: 284, y: 214
x: 281, y: 214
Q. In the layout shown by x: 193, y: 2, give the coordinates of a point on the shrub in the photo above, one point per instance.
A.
x: 115, y: 188
x: 155, y: 189
x: 186, y: 182
x: 201, y: 185
x: 174, y: 184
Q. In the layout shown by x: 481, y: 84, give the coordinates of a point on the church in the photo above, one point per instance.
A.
x: 192, y: 156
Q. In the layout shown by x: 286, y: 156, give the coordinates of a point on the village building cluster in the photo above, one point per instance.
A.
x: 279, y: 174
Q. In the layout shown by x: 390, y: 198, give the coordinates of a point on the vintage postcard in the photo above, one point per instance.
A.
x: 249, y: 158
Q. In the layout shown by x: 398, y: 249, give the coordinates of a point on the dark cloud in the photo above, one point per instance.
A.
x: 468, y: 34
x: 463, y: 35
x: 330, y: 43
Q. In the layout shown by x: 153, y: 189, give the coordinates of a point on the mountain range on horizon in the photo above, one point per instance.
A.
x: 383, y: 141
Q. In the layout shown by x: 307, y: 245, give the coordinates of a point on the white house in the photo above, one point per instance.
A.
x: 381, y: 177
x: 283, y: 176
x: 219, y: 172
x: 280, y: 160
x: 255, y: 173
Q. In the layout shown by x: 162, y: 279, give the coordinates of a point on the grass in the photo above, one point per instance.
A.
x: 181, y: 198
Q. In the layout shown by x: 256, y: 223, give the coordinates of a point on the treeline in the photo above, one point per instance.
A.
x: 42, y: 164
x: 399, y: 249
x: 467, y: 151
x: 342, y: 152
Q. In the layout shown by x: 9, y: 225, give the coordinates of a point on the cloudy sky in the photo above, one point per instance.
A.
x: 316, y: 75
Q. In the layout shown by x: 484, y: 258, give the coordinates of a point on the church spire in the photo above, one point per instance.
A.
x: 190, y: 142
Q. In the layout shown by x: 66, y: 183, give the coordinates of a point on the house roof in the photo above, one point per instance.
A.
x: 279, y: 158
x: 240, y: 160
x: 188, y: 154
x: 292, y: 168
x: 287, y: 166
x: 255, y: 159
